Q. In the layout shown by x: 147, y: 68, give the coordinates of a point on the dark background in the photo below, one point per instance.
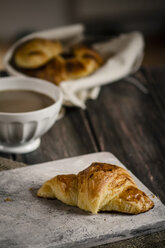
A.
x: 102, y: 17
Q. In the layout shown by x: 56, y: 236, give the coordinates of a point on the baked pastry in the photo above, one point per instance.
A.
x: 66, y: 67
x: 36, y: 52
x: 59, y: 69
x: 54, y: 71
x: 45, y: 59
x: 84, y: 51
x: 78, y: 67
x: 100, y: 187
x: 84, y: 62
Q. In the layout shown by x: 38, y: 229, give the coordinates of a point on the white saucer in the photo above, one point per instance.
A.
x: 25, y: 148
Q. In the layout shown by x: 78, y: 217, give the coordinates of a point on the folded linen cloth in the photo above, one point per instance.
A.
x: 123, y: 56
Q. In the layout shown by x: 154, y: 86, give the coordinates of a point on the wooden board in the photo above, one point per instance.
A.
x: 28, y: 221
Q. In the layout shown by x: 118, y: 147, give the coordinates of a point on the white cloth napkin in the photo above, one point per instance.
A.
x: 127, y: 50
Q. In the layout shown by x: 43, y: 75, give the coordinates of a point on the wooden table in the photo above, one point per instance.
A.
x: 124, y: 121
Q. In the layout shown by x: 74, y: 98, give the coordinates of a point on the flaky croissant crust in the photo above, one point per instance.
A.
x: 100, y: 187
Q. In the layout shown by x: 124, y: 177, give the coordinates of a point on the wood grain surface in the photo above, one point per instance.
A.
x: 124, y: 121
x: 130, y: 124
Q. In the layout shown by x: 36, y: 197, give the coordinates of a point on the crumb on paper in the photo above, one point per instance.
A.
x: 30, y: 189
x: 104, y: 219
x: 8, y: 199
x: 153, y: 196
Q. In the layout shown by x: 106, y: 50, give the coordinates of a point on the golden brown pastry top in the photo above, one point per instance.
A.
x: 36, y: 52
x: 84, y: 51
x: 99, y: 174
x: 78, y: 67
x: 54, y: 71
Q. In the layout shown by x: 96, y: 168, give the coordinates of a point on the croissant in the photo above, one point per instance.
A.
x: 100, y: 187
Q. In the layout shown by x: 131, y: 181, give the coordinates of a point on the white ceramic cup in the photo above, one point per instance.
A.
x: 21, y: 132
